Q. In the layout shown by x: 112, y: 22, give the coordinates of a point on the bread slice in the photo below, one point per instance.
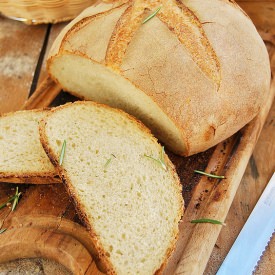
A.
x: 22, y: 158
x: 195, y: 73
x: 130, y: 202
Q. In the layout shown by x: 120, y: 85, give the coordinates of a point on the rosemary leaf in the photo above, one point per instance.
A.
x: 161, y: 160
x: 2, y: 230
x: 9, y: 200
x: 16, y: 199
x: 108, y: 161
x: 62, y: 153
x: 209, y: 175
x: 150, y: 157
x: 13, y: 199
x: 204, y: 220
x: 163, y: 166
x: 162, y: 154
x: 151, y: 15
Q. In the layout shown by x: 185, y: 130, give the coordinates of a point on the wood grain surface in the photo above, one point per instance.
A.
x: 19, y: 51
x: 44, y: 208
x: 261, y: 165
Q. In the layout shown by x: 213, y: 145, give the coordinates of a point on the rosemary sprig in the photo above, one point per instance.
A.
x: 2, y: 230
x: 151, y: 15
x: 209, y: 175
x: 9, y: 200
x: 108, y: 161
x: 16, y: 199
x: 13, y: 199
x: 205, y: 220
x: 161, y: 160
x: 62, y: 153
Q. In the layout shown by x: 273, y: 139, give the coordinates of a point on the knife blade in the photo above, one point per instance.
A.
x: 250, y: 244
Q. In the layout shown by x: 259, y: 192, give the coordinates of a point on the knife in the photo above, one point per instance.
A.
x: 247, y: 250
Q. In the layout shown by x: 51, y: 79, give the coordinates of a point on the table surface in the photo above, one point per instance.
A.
x: 22, y: 67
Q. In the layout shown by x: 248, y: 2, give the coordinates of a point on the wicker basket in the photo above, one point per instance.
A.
x: 43, y: 11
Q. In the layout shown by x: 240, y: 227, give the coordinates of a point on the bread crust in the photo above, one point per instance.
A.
x: 204, y: 108
x: 33, y: 178
x: 102, y: 261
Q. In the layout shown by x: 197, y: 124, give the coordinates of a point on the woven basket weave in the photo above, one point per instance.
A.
x: 43, y: 11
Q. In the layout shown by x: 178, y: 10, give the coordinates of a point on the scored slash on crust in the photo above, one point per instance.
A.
x: 172, y: 14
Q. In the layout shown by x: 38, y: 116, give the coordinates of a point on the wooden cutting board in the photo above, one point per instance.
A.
x: 45, y: 223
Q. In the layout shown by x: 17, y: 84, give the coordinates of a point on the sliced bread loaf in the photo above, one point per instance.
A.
x: 123, y: 184
x: 195, y: 73
x: 22, y: 158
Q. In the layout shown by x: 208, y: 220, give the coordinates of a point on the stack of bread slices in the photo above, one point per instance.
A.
x: 124, y: 187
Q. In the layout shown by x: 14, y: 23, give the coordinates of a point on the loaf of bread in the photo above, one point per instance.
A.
x: 195, y: 73
x: 123, y: 184
x: 22, y: 158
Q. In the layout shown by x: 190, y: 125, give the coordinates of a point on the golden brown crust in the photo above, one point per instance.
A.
x: 174, y: 15
x: 30, y: 178
x: 184, y: 23
x: 122, y: 35
x: 82, y: 23
x: 96, y: 9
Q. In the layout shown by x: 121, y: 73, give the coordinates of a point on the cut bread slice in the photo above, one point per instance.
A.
x: 123, y: 184
x: 22, y: 158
